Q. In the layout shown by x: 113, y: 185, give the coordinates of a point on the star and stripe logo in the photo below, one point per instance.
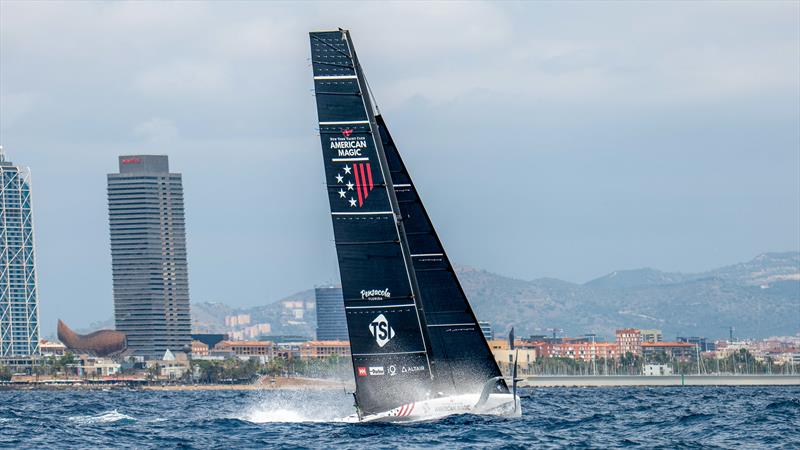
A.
x: 355, y: 183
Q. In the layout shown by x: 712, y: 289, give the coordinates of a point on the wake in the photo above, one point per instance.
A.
x: 297, y: 406
x: 106, y: 417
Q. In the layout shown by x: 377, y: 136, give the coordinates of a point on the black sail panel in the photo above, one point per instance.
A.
x: 462, y: 361
x: 391, y: 359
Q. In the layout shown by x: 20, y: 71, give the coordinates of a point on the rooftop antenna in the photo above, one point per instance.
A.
x: 2, y: 154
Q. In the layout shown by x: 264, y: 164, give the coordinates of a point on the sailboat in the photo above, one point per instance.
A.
x: 418, y: 351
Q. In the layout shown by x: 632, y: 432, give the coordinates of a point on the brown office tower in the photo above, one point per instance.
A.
x: 148, y: 253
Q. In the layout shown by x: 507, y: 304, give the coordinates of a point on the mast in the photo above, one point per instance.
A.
x: 398, y: 217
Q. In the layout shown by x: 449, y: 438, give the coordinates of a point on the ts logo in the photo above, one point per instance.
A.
x: 380, y: 329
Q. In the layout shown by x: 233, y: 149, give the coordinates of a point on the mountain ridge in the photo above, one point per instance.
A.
x: 759, y: 298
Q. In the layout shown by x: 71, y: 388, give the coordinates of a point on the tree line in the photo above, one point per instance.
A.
x: 741, y: 362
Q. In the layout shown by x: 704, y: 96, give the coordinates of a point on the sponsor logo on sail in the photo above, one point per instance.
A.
x: 346, y: 132
x: 412, y: 369
x: 362, y: 371
x: 376, y: 370
x: 375, y: 294
x: 354, y: 183
x: 348, y: 147
x: 381, y: 330
x: 392, y: 370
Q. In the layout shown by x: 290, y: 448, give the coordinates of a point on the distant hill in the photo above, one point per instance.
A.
x: 759, y: 298
x: 209, y: 317
x: 625, y: 279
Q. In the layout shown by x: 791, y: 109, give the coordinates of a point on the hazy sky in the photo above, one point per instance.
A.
x: 547, y: 139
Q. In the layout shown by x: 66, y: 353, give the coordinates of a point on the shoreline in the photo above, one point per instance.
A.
x: 656, y: 381
x: 543, y: 381
x: 264, y: 383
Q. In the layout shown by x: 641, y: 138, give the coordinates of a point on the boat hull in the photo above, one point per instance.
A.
x: 505, y: 405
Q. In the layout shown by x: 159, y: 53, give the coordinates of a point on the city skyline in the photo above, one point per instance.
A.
x: 131, y: 164
x: 607, y: 187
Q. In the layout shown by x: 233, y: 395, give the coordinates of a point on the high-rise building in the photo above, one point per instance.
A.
x: 629, y: 340
x: 19, y: 308
x: 148, y: 255
x: 486, y: 329
x: 331, y: 322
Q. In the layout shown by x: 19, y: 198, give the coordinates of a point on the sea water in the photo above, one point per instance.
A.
x: 667, y: 417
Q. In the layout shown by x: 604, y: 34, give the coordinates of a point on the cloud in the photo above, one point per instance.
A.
x: 157, y: 130
x: 183, y: 78
x: 17, y: 105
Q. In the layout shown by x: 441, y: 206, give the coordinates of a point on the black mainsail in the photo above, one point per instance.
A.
x: 413, y: 335
x: 463, y: 360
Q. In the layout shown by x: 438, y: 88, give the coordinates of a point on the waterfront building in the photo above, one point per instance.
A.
x: 655, y: 370
x: 323, y: 349
x: 704, y: 344
x: 525, y: 352
x: 52, y: 348
x: 582, y: 350
x: 331, y: 322
x: 148, y: 254
x: 486, y: 329
x: 199, y: 349
x: 725, y: 348
x: 265, y: 349
x: 96, y: 367
x: 288, y: 349
x: 791, y: 357
x: 629, y: 340
x: 651, y: 335
x: 171, y: 366
x: 673, y: 350
x: 19, y: 307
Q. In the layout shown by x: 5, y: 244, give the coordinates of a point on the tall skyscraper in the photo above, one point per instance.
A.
x: 148, y: 255
x: 331, y: 321
x: 19, y: 308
